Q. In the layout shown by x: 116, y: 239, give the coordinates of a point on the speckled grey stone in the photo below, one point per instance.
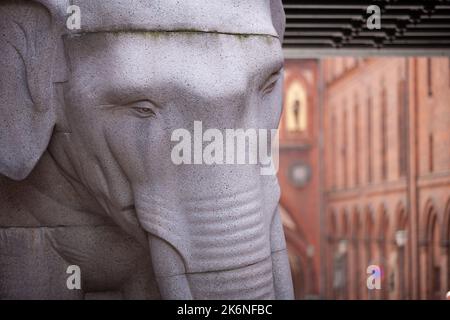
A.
x: 88, y: 178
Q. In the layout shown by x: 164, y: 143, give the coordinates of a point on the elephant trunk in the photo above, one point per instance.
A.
x: 213, y: 246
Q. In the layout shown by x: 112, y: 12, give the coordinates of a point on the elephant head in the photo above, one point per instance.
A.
x: 105, y: 100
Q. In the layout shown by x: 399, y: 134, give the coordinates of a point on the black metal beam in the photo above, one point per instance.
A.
x: 318, y: 24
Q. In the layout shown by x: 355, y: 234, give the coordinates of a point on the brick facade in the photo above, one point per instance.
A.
x: 298, y: 174
x: 387, y: 155
x: 385, y: 194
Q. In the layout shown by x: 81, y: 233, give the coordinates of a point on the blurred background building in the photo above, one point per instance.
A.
x: 365, y: 176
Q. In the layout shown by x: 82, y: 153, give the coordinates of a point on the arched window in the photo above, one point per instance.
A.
x: 334, y: 151
x: 399, y: 274
x: 434, y: 272
x: 431, y: 152
x: 356, y: 137
x: 383, y: 244
x: 430, y: 76
x: 340, y: 259
x: 446, y: 239
x: 344, y: 146
x: 384, y: 133
x: 331, y: 236
x: 447, y: 244
x: 369, y: 138
x: 436, y: 260
x: 401, y: 125
x: 296, y: 108
x: 369, y: 245
x: 431, y: 254
x: 356, y: 244
x: 343, y: 254
x: 448, y: 71
x: 370, y: 237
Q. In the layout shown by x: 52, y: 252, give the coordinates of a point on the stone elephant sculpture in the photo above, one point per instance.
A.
x: 86, y: 123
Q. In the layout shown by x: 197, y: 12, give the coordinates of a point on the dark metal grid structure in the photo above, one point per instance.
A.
x: 323, y: 27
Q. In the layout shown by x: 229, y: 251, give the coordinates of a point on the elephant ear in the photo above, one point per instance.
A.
x: 278, y: 17
x: 27, y: 114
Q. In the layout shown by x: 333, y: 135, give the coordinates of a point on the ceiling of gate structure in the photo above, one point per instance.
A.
x: 341, y: 27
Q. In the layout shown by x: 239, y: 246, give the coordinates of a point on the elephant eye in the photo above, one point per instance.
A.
x: 143, y: 108
x: 271, y: 82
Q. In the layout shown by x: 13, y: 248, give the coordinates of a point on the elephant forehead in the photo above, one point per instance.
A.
x: 157, y: 63
x: 227, y: 16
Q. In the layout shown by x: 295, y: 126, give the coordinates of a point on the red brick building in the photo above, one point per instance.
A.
x: 298, y: 174
x: 382, y: 189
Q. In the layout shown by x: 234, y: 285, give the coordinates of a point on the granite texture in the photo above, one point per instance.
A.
x: 86, y: 118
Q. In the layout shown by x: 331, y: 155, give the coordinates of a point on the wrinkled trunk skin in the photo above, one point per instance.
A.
x: 219, y: 240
